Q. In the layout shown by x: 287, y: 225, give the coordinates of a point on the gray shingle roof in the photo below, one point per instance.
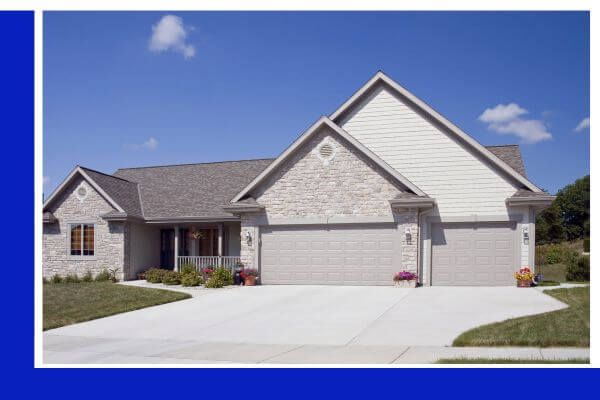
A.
x: 192, y: 190
x: 123, y: 192
x: 511, y: 155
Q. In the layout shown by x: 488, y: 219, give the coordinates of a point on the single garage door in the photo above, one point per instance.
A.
x: 365, y: 254
x: 473, y: 254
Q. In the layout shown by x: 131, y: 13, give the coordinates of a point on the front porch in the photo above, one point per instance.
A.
x: 171, y: 245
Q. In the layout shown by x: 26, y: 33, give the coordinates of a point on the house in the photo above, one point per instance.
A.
x: 383, y: 184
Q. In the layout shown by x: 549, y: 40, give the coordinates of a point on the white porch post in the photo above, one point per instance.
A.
x: 220, y: 243
x: 176, y: 247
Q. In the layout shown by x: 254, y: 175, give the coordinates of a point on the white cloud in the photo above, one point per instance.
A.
x: 170, y: 34
x: 584, y: 124
x: 506, y: 119
x: 45, y: 180
x: 150, y: 144
x: 502, y: 113
x: 529, y: 130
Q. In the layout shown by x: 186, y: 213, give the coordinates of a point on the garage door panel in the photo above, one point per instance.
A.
x: 473, y: 254
x: 347, y: 255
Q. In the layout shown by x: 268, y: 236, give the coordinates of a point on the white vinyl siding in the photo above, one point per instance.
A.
x: 438, y: 164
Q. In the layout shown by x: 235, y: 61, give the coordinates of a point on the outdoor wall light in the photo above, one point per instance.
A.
x: 248, y: 236
x: 408, y: 235
x: 525, y: 235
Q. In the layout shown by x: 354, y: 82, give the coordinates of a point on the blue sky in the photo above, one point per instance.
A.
x: 225, y: 86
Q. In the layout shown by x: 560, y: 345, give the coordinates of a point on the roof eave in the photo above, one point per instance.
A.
x: 544, y: 201
x: 413, y: 203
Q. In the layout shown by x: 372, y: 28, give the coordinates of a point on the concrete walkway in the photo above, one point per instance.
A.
x: 60, y: 349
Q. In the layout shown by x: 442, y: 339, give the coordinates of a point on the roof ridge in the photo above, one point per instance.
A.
x: 200, y: 163
x: 105, y: 174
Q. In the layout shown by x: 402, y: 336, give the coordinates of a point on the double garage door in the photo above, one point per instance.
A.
x: 364, y: 254
x: 473, y: 254
x: 463, y: 254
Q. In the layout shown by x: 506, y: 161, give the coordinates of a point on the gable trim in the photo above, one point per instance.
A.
x: 67, y: 180
x: 475, y: 145
x: 324, y: 121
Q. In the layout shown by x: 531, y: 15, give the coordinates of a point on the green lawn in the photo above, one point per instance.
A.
x: 567, y: 327
x: 510, y: 361
x: 69, y: 303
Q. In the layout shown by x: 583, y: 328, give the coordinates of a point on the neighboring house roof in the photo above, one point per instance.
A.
x: 511, y: 155
x: 381, y: 78
x: 123, y: 192
x: 191, y: 190
x: 326, y: 122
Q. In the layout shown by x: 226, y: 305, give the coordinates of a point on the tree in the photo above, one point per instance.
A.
x: 549, y: 226
x: 574, y: 203
x: 568, y: 216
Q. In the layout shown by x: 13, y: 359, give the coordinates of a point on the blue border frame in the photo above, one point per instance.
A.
x: 17, y: 129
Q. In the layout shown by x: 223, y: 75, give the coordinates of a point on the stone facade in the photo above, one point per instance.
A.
x: 109, y: 247
x: 348, y: 184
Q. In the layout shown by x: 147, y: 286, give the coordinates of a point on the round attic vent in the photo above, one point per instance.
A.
x: 326, y: 151
x: 81, y: 192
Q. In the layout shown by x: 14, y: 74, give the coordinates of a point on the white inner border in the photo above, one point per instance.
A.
x: 177, y: 5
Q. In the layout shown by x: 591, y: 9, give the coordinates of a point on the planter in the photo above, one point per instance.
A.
x: 250, y: 281
x: 523, y: 283
x: 406, y: 284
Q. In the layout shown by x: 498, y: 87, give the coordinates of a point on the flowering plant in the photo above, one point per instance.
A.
x: 405, y: 276
x: 248, y: 272
x: 208, y: 270
x: 197, y: 235
x: 524, y: 274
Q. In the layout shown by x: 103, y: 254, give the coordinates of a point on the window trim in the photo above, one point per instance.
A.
x: 81, y: 256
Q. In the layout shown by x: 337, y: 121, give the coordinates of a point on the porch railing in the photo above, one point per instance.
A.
x: 201, y: 262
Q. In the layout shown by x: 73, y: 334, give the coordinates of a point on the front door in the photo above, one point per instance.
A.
x: 167, y: 248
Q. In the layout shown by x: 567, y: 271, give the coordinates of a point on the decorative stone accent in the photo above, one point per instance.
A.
x: 109, y: 247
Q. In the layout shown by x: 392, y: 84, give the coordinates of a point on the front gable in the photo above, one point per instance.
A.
x: 79, y: 200
x: 462, y: 180
x: 327, y: 176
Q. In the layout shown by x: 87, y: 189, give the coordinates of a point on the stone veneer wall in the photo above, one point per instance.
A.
x: 350, y: 185
x: 109, y: 237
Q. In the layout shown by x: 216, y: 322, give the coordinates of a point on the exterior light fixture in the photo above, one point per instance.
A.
x: 526, y: 235
x: 408, y: 235
x: 248, y: 237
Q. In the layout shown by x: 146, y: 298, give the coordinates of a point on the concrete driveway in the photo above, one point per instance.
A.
x: 274, y: 323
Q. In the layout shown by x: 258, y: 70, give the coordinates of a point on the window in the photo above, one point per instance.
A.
x: 82, y: 239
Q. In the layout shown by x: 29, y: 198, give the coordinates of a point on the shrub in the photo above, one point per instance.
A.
x: 191, y: 279
x: 171, y: 278
x: 578, y: 269
x: 45, y: 280
x: 56, y: 279
x: 102, y: 276
x: 87, y: 277
x: 72, y: 278
x: 560, y: 253
x: 112, y: 275
x: 188, y: 269
x: 586, y: 245
x: 219, y: 278
x: 155, y: 275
